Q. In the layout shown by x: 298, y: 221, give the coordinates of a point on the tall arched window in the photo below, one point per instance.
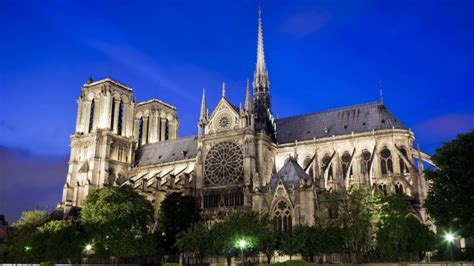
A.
x: 112, y: 116
x: 403, y: 166
x: 346, y: 167
x: 167, y: 129
x: 120, y: 118
x: 326, y: 163
x: 365, y: 163
x: 91, y: 117
x: 386, y: 163
x: 140, y: 131
x: 282, y: 214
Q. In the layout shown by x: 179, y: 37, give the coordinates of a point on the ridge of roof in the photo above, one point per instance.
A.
x: 343, y: 108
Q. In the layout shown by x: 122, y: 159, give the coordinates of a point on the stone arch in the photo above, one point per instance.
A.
x: 125, y: 99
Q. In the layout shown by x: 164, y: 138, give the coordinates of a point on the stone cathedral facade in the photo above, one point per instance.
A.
x: 242, y: 157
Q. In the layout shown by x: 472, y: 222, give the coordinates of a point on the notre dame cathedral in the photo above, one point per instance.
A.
x: 242, y: 157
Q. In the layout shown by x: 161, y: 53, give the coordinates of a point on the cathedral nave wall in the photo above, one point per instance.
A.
x: 341, y: 148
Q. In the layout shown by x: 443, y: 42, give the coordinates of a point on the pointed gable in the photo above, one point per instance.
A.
x: 291, y: 174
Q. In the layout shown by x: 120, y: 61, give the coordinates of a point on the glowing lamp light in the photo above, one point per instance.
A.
x: 242, y: 244
x: 449, y: 237
x: 88, y: 247
x: 27, y: 248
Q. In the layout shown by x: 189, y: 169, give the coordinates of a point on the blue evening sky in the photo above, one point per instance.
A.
x: 320, y: 55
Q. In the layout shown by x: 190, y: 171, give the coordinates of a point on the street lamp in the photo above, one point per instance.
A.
x: 242, y: 244
x: 88, y: 247
x: 450, y: 237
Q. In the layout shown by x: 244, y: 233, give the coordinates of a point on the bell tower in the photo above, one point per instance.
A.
x: 102, y: 145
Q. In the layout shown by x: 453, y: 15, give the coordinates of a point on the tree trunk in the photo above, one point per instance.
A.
x: 269, y: 258
x: 229, y: 260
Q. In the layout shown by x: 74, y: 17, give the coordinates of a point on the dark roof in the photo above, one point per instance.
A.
x: 342, y: 121
x: 290, y: 173
x: 167, y: 151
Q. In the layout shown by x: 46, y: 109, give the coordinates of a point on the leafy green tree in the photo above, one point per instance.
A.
x: 451, y: 189
x: 196, y: 239
x: 59, y: 239
x: 21, y: 242
x: 227, y: 233
x: 401, y: 236
x: 118, y: 222
x: 177, y: 213
x: 355, y: 208
x: 267, y: 236
x: 290, y: 244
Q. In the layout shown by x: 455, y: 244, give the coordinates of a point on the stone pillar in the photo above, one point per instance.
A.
x: 136, y: 128
x: 79, y: 117
x: 95, y: 122
x: 163, y: 129
x: 116, y: 115
x: 87, y: 117
x: 153, y: 127
x: 171, y: 129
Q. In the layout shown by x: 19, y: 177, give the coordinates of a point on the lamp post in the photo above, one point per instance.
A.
x: 449, y: 237
x: 242, y: 245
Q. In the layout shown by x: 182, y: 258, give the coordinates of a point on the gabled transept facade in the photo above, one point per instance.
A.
x: 242, y: 158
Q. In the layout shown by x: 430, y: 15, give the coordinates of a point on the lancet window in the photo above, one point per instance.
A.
x: 386, y: 163
x: 325, y: 164
x: 346, y: 165
x: 403, y: 166
x: 365, y: 163
x: 282, y: 215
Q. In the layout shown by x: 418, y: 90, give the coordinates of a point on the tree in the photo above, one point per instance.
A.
x: 267, y: 237
x: 59, y: 239
x: 118, y: 222
x: 451, y: 188
x: 355, y: 211
x: 177, y: 213
x: 401, y: 236
x: 196, y: 239
x: 308, y: 237
x: 242, y: 225
x: 290, y: 244
x: 21, y: 241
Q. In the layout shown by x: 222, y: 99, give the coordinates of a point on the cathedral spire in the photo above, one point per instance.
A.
x: 203, y: 114
x: 260, y: 81
x: 248, y: 100
x: 261, y: 88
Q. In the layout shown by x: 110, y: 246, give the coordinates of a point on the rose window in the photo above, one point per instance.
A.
x: 224, y: 164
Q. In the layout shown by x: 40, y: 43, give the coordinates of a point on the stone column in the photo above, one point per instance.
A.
x: 116, y: 115
x: 152, y: 129
x: 171, y: 129
x: 163, y: 129
x: 145, y: 130
x: 87, y: 116
x: 79, y: 117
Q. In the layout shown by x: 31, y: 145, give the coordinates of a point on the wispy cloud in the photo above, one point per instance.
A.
x: 304, y: 23
x: 113, y: 45
x: 444, y: 128
x: 29, y: 181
